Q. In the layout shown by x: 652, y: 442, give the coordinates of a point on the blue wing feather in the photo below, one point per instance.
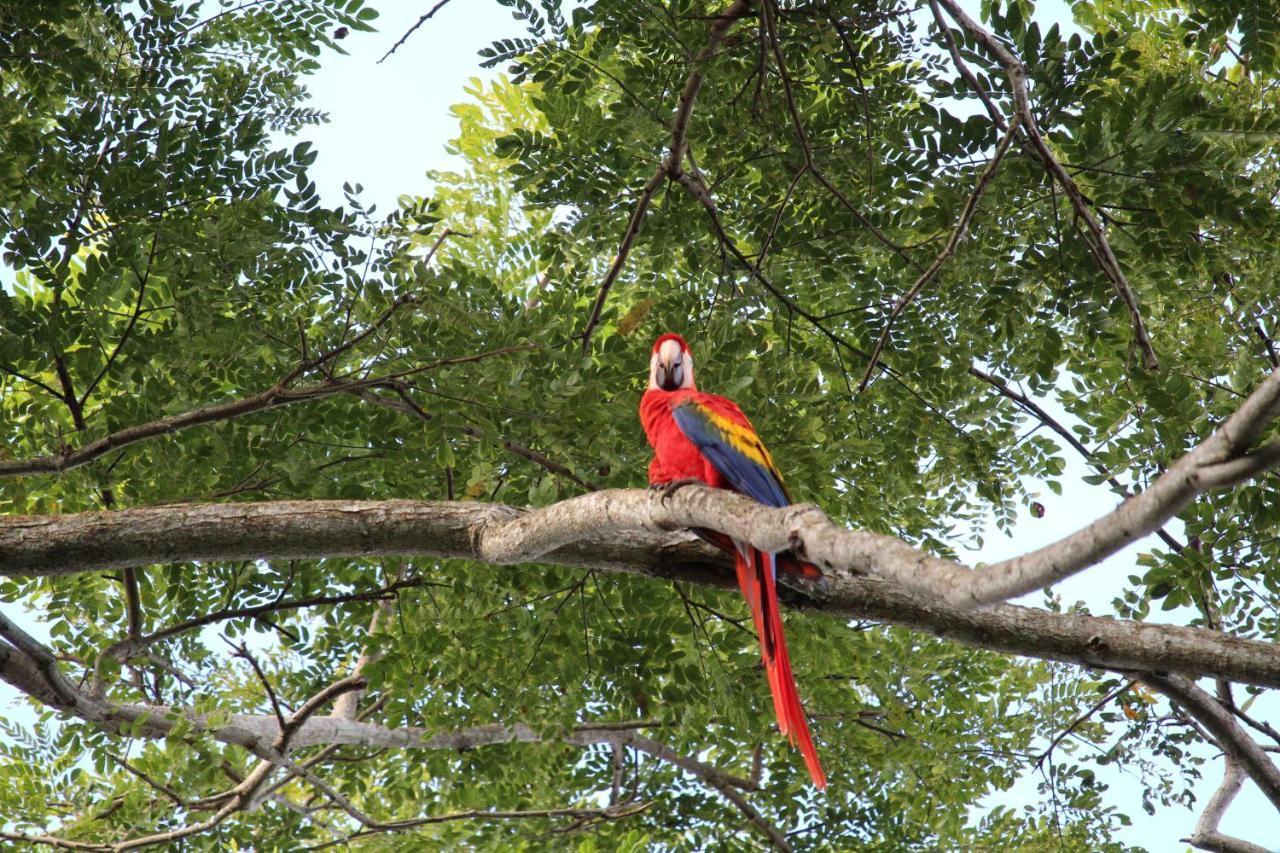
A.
x: 743, y: 473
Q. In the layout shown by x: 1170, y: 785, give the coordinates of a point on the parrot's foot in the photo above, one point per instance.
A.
x: 669, y: 489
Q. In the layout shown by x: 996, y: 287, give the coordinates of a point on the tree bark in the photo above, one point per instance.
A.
x: 623, y: 531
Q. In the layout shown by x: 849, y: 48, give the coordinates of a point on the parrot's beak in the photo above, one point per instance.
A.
x: 670, y: 373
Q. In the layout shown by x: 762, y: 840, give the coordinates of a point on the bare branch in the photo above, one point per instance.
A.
x: 143, y: 277
x: 724, y: 783
x: 39, y: 657
x: 1206, y: 835
x: 716, y: 778
x: 967, y: 73
x: 136, y: 645
x: 436, y: 8
x: 1269, y: 344
x: 624, y: 250
x: 12, y: 371
x: 348, y: 704
x: 50, y: 840
x: 241, y: 651
x: 159, y: 786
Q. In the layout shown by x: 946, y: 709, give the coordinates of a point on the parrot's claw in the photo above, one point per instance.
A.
x: 669, y: 489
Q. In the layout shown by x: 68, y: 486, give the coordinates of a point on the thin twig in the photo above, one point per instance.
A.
x: 410, y: 406
x: 671, y: 163
x: 1080, y: 720
x: 1100, y: 247
x: 413, y: 29
x: 610, y: 813
x: 957, y: 234
x: 1034, y: 409
x: 162, y: 788
x: 132, y: 646
x: 802, y: 137
x: 276, y: 396
x: 242, y: 651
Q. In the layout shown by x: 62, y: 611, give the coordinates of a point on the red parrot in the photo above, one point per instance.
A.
x: 706, y: 438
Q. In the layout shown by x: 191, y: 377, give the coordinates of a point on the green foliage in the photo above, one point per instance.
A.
x: 166, y: 252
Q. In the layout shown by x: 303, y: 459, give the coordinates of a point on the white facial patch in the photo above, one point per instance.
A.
x: 669, y: 353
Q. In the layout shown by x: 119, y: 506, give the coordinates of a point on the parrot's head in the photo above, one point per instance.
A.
x: 671, y: 365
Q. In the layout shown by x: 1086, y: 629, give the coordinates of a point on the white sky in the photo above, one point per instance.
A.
x: 389, y: 122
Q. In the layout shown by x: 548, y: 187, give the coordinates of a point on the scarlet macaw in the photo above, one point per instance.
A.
x: 706, y: 438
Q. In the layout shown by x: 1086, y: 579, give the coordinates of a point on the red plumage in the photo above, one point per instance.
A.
x: 677, y: 457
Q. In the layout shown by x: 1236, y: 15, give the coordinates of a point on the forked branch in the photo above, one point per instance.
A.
x: 1099, y: 245
x: 672, y: 163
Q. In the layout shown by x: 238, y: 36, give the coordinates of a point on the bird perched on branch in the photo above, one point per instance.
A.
x: 705, y: 438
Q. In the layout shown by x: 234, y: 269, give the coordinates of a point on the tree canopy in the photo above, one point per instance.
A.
x: 265, y: 462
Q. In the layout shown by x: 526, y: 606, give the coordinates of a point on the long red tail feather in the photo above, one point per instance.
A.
x: 757, y: 582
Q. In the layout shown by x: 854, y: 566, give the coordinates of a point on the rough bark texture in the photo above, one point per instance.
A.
x: 622, y: 530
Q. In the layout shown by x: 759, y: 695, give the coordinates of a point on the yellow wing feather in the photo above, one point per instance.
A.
x: 743, y: 438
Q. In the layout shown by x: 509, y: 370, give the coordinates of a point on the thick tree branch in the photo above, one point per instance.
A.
x: 1206, y: 835
x: 621, y: 530
x: 50, y: 545
x: 1219, y: 461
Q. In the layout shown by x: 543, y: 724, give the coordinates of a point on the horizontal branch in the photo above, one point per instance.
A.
x: 74, y: 458
x: 277, y: 395
x: 588, y: 532
x: 623, y: 531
